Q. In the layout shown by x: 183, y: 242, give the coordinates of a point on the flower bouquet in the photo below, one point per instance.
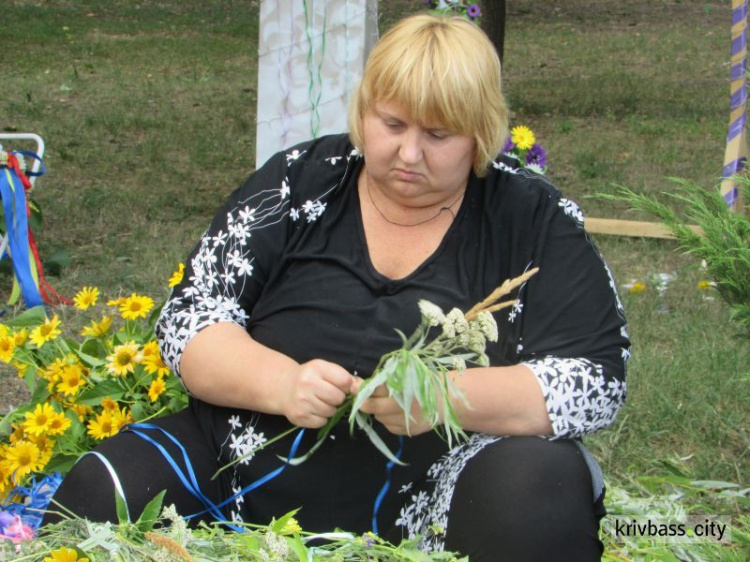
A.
x: 468, y: 10
x: 83, y: 389
x: 522, y: 146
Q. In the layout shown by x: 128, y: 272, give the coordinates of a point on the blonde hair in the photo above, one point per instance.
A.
x: 443, y: 71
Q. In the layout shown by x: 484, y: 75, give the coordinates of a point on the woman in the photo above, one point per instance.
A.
x: 297, y: 287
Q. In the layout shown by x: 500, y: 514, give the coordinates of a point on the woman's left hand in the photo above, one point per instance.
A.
x: 387, y: 411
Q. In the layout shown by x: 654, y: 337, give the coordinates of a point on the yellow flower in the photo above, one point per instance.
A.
x: 22, y: 367
x: 116, y: 302
x: 706, y: 285
x: 149, y: 349
x: 38, y: 422
x: 72, y: 380
x: 522, y: 137
x: 80, y: 410
x: 290, y: 527
x: 22, y: 458
x: 109, y: 404
x: 136, y: 306
x: 63, y: 554
x: 102, y: 426
x: 177, y: 276
x: 637, y: 287
x: 21, y: 336
x: 120, y: 418
x: 156, y: 389
x: 97, y: 329
x: 123, y: 359
x: 55, y: 369
x: 46, y: 332
x: 154, y: 365
x: 59, y: 424
x: 4, y: 330
x: 86, y: 298
x: 7, y: 347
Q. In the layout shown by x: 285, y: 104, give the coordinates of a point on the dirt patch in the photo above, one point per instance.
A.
x: 13, y: 391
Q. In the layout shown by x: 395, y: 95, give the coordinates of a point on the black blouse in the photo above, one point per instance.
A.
x: 286, y: 258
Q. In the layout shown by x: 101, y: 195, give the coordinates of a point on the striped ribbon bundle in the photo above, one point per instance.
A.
x: 18, y: 242
x: 735, y: 158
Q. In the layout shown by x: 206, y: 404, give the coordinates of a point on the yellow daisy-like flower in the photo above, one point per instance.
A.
x: 156, y: 389
x: 522, y: 137
x: 109, y: 404
x: 80, y: 410
x: 121, y: 418
x: 54, y: 370
x: 154, y: 365
x: 136, y: 306
x: 22, y: 458
x: 46, y: 332
x: 21, y: 336
x: 21, y: 368
x: 116, y: 302
x: 637, y: 287
x: 97, y: 329
x: 7, y: 347
x: 706, y: 285
x: 102, y: 426
x: 63, y: 554
x: 72, y: 380
x: 86, y: 298
x: 18, y: 434
x: 59, y: 424
x: 4, y: 330
x: 39, y: 420
x: 150, y: 349
x: 123, y: 359
x: 177, y: 276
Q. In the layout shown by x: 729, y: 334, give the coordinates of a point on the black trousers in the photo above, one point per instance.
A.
x: 518, y: 499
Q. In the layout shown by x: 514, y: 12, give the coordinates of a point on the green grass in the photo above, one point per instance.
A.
x: 148, y: 112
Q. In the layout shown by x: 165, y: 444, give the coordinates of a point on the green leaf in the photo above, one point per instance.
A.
x: 150, y: 513
x: 123, y: 516
x: 298, y: 547
x: 61, y: 463
x: 277, y: 525
x: 93, y: 396
x: 31, y: 317
x: 366, y: 425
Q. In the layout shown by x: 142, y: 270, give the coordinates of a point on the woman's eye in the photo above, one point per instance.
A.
x: 393, y: 125
x: 438, y: 135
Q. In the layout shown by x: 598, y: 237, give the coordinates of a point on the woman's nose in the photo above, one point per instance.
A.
x: 411, y: 147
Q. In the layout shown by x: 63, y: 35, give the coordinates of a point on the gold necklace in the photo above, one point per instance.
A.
x: 386, y: 219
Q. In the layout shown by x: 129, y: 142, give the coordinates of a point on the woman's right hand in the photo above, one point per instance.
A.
x: 314, y: 392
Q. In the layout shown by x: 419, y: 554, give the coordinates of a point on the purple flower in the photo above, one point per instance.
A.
x: 509, y: 146
x: 473, y: 11
x: 536, y: 155
x: 5, y: 520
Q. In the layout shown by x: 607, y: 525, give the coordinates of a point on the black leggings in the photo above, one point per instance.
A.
x: 520, y: 498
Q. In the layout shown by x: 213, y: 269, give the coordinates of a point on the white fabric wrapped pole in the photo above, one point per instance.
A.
x: 310, y: 58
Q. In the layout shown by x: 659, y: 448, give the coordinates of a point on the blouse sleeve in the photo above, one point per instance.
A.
x: 227, y: 269
x: 573, y: 334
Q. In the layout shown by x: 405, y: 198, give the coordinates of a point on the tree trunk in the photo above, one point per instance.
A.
x: 493, y: 23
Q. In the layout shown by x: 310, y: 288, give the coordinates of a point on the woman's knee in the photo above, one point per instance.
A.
x: 525, y: 498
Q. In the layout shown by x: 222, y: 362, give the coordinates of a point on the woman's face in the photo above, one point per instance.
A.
x: 414, y: 164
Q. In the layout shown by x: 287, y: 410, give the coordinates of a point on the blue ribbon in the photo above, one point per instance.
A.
x: 13, y: 196
x: 38, y: 495
x: 190, y: 482
x: 384, y: 490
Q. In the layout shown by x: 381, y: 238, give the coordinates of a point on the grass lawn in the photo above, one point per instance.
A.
x: 148, y: 112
